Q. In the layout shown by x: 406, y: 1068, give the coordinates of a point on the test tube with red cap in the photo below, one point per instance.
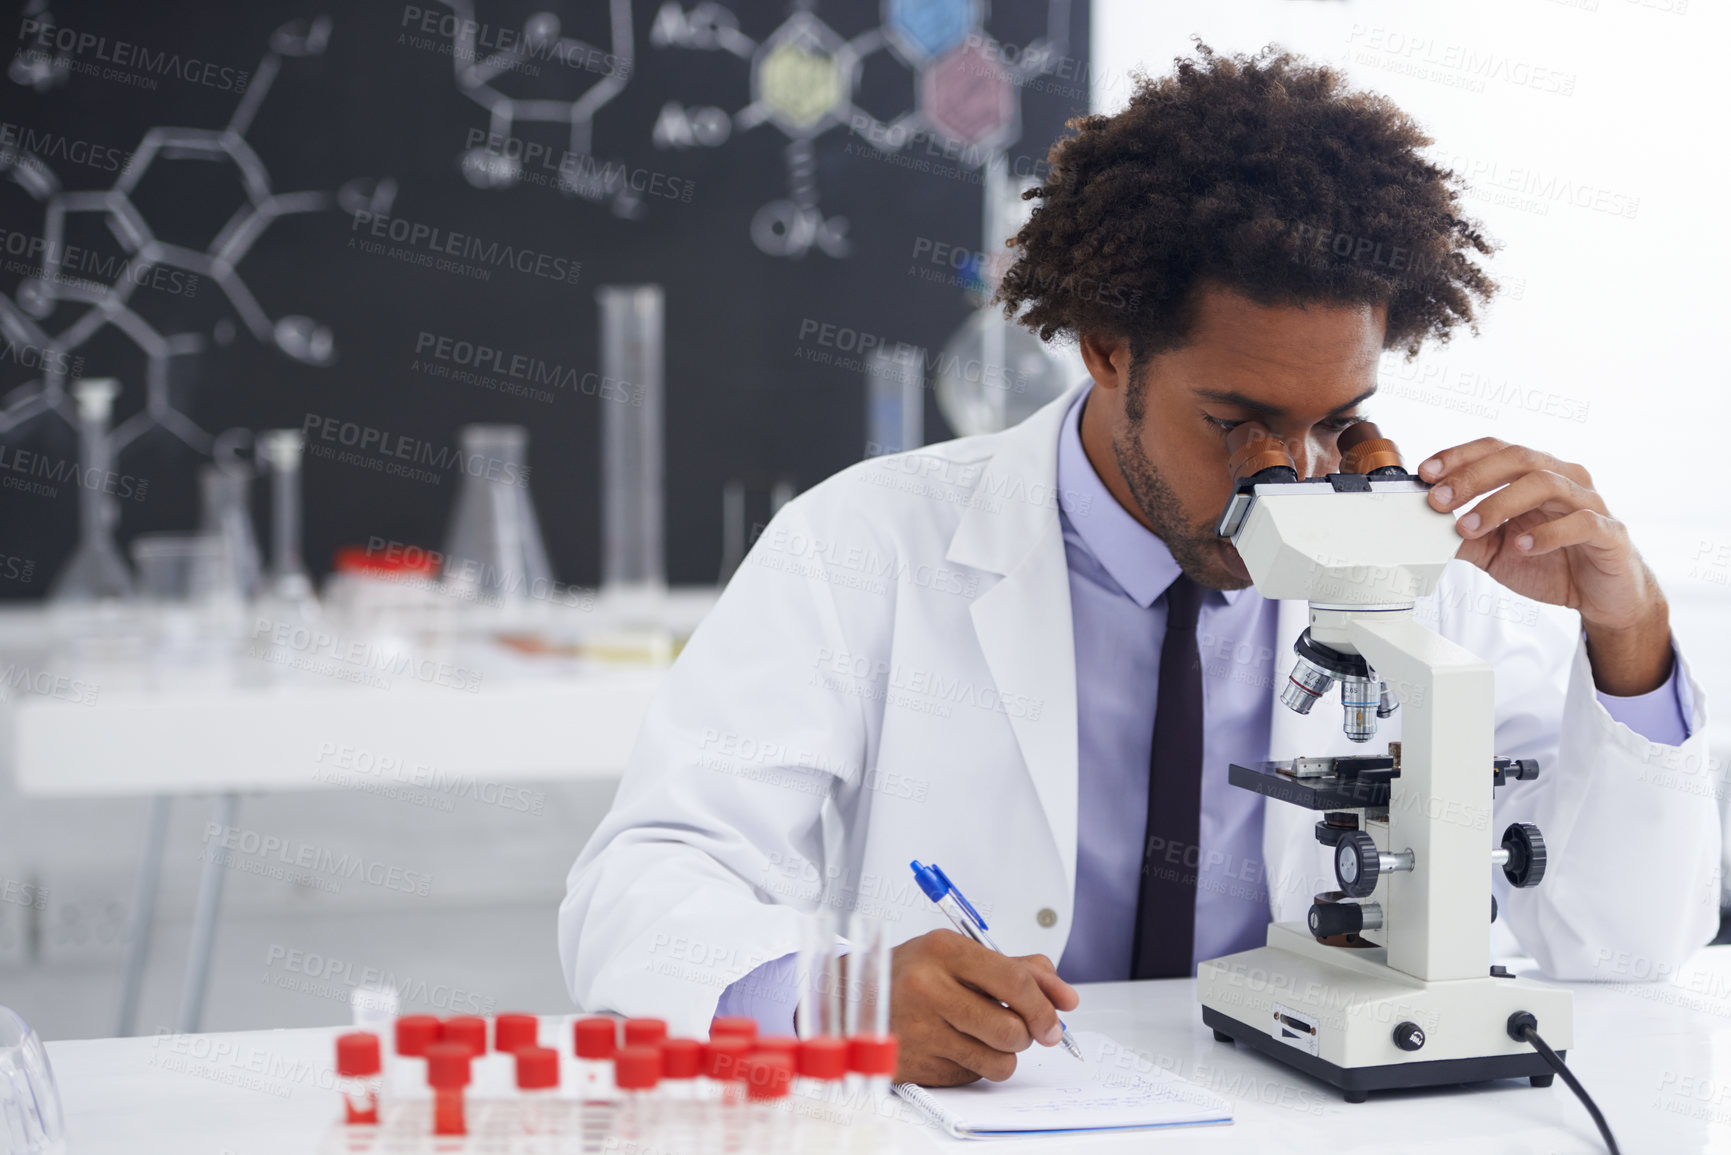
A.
x: 636, y: 1074
x: 872, y: 1059
x: 820, y: 1075
x: 490, y: 1074
x: 595, y: 1041
x: 681, y: 1066
x: 721, y: 1059
x: 448, y: 1073
x: 413, y: 1035
x: 768, y: 1122
x: 358, y: 1076
x: 740, y: 1025
x: 644, y: 1032
x: 538, y: 1089
x: 513, y: 1031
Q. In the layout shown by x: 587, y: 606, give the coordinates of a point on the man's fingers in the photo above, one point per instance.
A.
x: 1478, y: 467
x: 1583, y: 527
x: 1439, y: 465
x: 966, y: 1051
x: 1061, y: 993
x: 1011, y: 981
x: 975, y: 1013
x: 1542, y: 490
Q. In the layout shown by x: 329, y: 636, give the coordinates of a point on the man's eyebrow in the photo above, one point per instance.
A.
x: 1232, y: 397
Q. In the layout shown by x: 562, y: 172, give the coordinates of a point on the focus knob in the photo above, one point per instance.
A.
x: 1526, y: 847
x: 1356, y: 863
x: 1328, y: 919
x: 1409, y: 1036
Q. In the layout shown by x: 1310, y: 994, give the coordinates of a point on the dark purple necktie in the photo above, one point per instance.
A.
x: 1166, y: 899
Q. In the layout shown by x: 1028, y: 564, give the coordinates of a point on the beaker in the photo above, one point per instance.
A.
x: 31, y: 1122
x: 96, y: 570
x: 631, y: 436
x: 226, y: 518
x: 494, y: 548
x: 280, y: 450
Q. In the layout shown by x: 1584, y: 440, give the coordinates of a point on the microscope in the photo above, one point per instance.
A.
x: 1388, y: 983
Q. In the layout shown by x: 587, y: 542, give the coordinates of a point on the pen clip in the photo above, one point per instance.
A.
x: 960, y: 897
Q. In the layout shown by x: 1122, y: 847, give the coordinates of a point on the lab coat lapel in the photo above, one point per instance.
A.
x: 1023, y: 622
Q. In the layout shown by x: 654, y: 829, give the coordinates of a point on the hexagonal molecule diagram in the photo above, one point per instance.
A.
x: 804, y: 81
x: 488, y: 61
x: 64, y: 273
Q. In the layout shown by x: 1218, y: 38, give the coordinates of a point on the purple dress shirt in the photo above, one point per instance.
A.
x: 1118, y: 570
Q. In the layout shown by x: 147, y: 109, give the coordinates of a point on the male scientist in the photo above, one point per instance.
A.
x: 1027, y: 656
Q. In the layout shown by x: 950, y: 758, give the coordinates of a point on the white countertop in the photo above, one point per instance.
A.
x: 1657, y: 1058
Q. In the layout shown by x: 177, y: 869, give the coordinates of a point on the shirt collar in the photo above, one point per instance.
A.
x: 1132, y: 553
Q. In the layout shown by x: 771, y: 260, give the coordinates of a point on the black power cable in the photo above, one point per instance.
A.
x: 1524, y: 1028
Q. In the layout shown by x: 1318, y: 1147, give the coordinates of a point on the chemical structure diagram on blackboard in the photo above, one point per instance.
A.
x: 582, y: 78
x: 804, y: 78
x: 56, y: 271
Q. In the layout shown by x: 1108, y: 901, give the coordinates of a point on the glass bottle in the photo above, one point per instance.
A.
x: 493, y: 550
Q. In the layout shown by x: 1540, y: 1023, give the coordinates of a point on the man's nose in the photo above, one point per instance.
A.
x: 1312, y: 457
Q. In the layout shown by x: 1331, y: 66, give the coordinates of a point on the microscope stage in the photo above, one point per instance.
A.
x: 1348, y: 784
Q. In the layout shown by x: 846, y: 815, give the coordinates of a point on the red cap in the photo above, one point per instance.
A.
x: 414, y: 1032
x: 407, y: 562
x: 448, y: 1064
x: 513, y: 1032
x: 680, y: 1058
x: 470, y: 1030
x: 873, y: 1054
x: 537, y: 1068
x: 596, y: 1038
x: 778, y: 1045
x: 721, y: 1056
x: 823, y: 1057
x: 767, y: 1076
x: 358, y: 1054
x: 733, y: 1025
x: 644, y: 1032
x: 636, y: 1068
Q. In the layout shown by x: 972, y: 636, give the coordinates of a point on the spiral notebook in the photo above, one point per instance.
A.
x: 1113, y: 1089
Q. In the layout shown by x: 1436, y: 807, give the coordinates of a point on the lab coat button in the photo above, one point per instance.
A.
x: 1047, y: 917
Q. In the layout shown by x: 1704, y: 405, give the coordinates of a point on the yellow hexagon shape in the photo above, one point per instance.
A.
x: 800, y: 86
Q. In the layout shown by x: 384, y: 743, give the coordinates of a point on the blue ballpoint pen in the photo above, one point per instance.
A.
x: 961, y: 912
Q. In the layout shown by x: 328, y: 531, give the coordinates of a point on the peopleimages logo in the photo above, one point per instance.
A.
x: 41, y: 35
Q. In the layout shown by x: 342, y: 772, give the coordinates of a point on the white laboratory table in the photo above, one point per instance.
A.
x: 115, y: 719
x: 1657, y: 1058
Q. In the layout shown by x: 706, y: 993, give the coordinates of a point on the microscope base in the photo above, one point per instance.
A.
x: 1341, y: 1014
x: 1356, y: 1083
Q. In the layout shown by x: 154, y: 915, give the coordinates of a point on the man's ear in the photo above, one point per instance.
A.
x: 1107, y: 358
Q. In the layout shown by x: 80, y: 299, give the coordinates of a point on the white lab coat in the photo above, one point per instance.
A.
x: 891, y: 675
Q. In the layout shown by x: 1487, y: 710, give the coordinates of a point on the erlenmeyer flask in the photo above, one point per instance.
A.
x: 96, y: 570
x: 226, y: 518
x: 494, y: 548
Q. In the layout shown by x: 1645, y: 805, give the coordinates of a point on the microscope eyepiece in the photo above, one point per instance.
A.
x: 1363, y: 449
x: 1253, y: 448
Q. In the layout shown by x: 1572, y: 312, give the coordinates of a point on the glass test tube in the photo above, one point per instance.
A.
x: 280, y: 450
x: 358, y: 1076
x: 448, y: 1074
x: 632, y: 341
x: 538, y: 1089
x: 595, y: 1042
x: 414, y: 1034
x: 636, y: 1072
x: 868, y: 1005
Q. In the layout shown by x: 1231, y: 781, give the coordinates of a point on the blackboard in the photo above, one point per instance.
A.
x: 404, y: 267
